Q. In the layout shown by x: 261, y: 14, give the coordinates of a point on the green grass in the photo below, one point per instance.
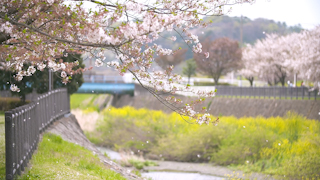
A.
x: 2, y: 147
x: 88, y: 102
x: 140, y: 164
x: 287, y: 146
x: 59, y: 159
x: 82, y: 101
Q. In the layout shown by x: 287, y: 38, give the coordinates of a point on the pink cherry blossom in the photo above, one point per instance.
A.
x: 40, y: 32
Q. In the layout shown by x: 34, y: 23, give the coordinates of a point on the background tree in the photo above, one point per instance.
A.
x: 225, y: 26
x: 224, y: 56
x: 7, y: 77
x: 189, y: 69
x: 42, y: 84
x: 265, y: 59
x: 40, y: 80
x: 164, y: 61
x: 302, y: 55
x: 248, y: 70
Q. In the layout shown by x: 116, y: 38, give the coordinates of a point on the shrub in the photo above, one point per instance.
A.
x: 10, y: 103
x: 210, y: 84
x: 282, y: 146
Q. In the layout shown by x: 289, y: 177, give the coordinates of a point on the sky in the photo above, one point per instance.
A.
x: 292, y: 12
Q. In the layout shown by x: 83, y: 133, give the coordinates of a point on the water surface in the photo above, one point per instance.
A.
x: 163, y: 175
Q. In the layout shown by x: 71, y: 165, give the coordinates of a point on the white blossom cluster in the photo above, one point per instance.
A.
x: 296, y: 53
x: 124, y: 27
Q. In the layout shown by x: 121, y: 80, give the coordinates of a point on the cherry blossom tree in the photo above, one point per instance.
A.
x: 265, y: 59
x: 39, y: 31
x: 276, y: 57
x: 303, y: 55
x: 224, y: 56
x: 248, y: 65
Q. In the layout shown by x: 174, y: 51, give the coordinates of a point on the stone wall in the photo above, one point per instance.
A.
x: 239, y: 107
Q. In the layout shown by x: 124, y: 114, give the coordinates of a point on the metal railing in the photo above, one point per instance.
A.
x: 24, y: 124
x: 102, y: 79
x: 275, y: 92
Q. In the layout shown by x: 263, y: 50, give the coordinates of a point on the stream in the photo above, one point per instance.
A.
x: 164, y: 175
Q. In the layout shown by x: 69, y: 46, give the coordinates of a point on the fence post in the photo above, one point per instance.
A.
x: 9, y: 144
x: 18, y: 141
x: 280, y: 92
x: 260, y: 94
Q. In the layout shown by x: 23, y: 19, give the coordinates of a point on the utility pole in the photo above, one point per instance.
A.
x: 50, y: 79
x: 241, y: 34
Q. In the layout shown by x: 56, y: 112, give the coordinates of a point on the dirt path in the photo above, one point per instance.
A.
x: 87, y: 121
x: 205, y: 169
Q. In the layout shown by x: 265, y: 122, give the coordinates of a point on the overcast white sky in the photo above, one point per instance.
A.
x: 292, y: 12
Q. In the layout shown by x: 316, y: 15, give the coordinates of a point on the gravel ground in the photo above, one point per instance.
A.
x: 204, y: 169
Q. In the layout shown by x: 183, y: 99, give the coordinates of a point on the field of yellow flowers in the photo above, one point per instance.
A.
x: 287, y: 146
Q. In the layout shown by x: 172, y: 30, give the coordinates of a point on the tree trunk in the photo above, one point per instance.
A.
x: 216, y: 80
x: 282, y: 79
x: 23, y: 98
x: 250, y: 79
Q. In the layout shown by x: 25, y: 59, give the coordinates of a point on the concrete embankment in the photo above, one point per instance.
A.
x: 237, y: 107
x: 69, y: 129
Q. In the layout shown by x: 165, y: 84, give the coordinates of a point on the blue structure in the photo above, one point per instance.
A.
x: 107, y: 88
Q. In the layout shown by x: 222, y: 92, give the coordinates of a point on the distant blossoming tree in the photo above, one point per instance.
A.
x: 224, y: 56
x: 276, y: 57
x: 40, y: 31
x: 303, y: 56
x: 265, y: 60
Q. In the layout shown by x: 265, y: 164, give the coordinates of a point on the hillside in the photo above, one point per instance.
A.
x: 222, y: 26
x: 225, y: 26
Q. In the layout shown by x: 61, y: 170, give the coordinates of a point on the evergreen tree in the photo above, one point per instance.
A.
x: 190, y: 69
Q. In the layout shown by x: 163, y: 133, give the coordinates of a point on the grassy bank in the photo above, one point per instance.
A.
x: 59, y: 159
x: 89, y: 102
x: 281, y: 146
x: 2, y: 147
x: 83, y: 101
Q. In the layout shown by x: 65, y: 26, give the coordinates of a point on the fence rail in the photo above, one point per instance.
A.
x: 24, y: 124
x: 268, y: 92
